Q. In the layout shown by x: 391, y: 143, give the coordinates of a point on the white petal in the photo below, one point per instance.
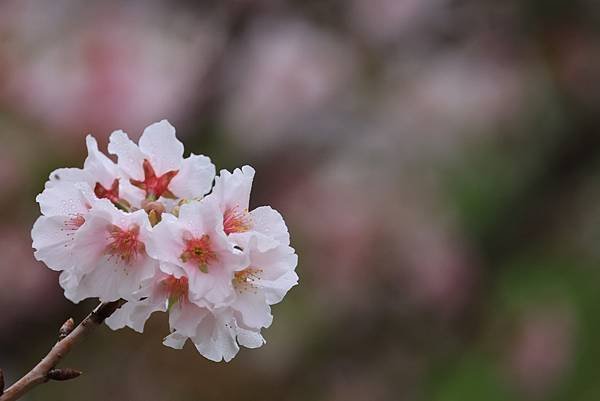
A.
x: 166, y: 242
x: 53, y: 242
x: 233, y: 189
x: 131, y: 194
x: 175, y: 340
x: 276, y: 265
x: 275, y: 290
x: 112, y: 279
x: 185, y: 317
x: 121, y: 317
x: 275, y: 262
x: 225, y: 341
x: 269, y: 222
x: 102, y: 282
x: 69, y: 281
x: 98, y: 165
x: 161, y: 147
x: 63, y: 175
x: 214, y: 286
x: 135, y: 314
x: 221, y: 292
x: 250, y: 338
x: 65, y: 199
x: 172, y: 269
x: 216, y: 339
x: 90, y: 240
x: 195, y: 177
x: 201, y: 217
x: 130, y: 157
x: 253, y: 309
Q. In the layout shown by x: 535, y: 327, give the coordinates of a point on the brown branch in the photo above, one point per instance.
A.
x: 44, y: 370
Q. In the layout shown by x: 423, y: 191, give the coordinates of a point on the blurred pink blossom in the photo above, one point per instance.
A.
x: 433, y: 107
x: 384, y: 20
x: 122, y: 67
x: 283, y: 74
x: 542, y: 350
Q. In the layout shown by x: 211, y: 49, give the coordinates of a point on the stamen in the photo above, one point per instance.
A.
x: 74, y: 222
x: 199, y: 251
x: 236, y: 220
x: 71, y: 225
x: 245, y: 280
x: 125, y: 243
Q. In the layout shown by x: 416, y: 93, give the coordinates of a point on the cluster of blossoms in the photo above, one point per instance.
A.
x: 153, y: 230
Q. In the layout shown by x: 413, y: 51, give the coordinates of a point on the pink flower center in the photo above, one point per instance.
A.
x: 199, y: 251
x: 125, y: 243
x: 176, y: 288
x: 154, y: 186
x: 236, y: 220
x: 112, y: 193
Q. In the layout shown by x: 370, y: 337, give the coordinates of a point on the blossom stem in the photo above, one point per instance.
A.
x: 40, y: 373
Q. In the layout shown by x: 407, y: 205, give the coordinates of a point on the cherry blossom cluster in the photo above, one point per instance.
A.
x: 161, y: 232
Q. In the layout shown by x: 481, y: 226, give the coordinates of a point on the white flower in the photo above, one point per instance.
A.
x: 217, y: 335
x: 232, y: 193
x: 214, y: 333
x: 110, y: 252
x: 157, y: 166
x: 99, y: 248
x: 267, y: 277
x: 143, y: 230
x: 195, y: 241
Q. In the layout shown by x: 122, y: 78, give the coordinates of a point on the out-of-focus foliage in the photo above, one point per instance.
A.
x: 438, y: 163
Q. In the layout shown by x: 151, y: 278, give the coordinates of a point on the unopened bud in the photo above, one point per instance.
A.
x: 154, y: 210
x: 66, y: 328
x: 63, y: 374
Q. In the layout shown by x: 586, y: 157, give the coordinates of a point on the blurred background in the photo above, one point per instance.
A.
x: 437, y: 161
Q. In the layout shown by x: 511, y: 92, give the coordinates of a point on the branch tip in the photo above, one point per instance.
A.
x: 66, y: 328
x: 63, y: 374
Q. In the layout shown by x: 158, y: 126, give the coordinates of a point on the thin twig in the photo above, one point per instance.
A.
x: 40, y: 373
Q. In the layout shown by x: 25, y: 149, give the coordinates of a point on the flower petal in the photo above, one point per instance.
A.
x: 166, y: 242
x: 130, y: 157
x: 250, y: 338
x: 195, y: 177
x: 98, y: 165
x: 135, y: 314
x: 269, y: 222
x: 215, y: 338
x: 66, y: 199
x: 63, y: 175
x: 53, y: 243
x: 232, y: 190
x: 175, y: 340
x: 184, y: 318
x: 253, y: 309
x: 161, y: 147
